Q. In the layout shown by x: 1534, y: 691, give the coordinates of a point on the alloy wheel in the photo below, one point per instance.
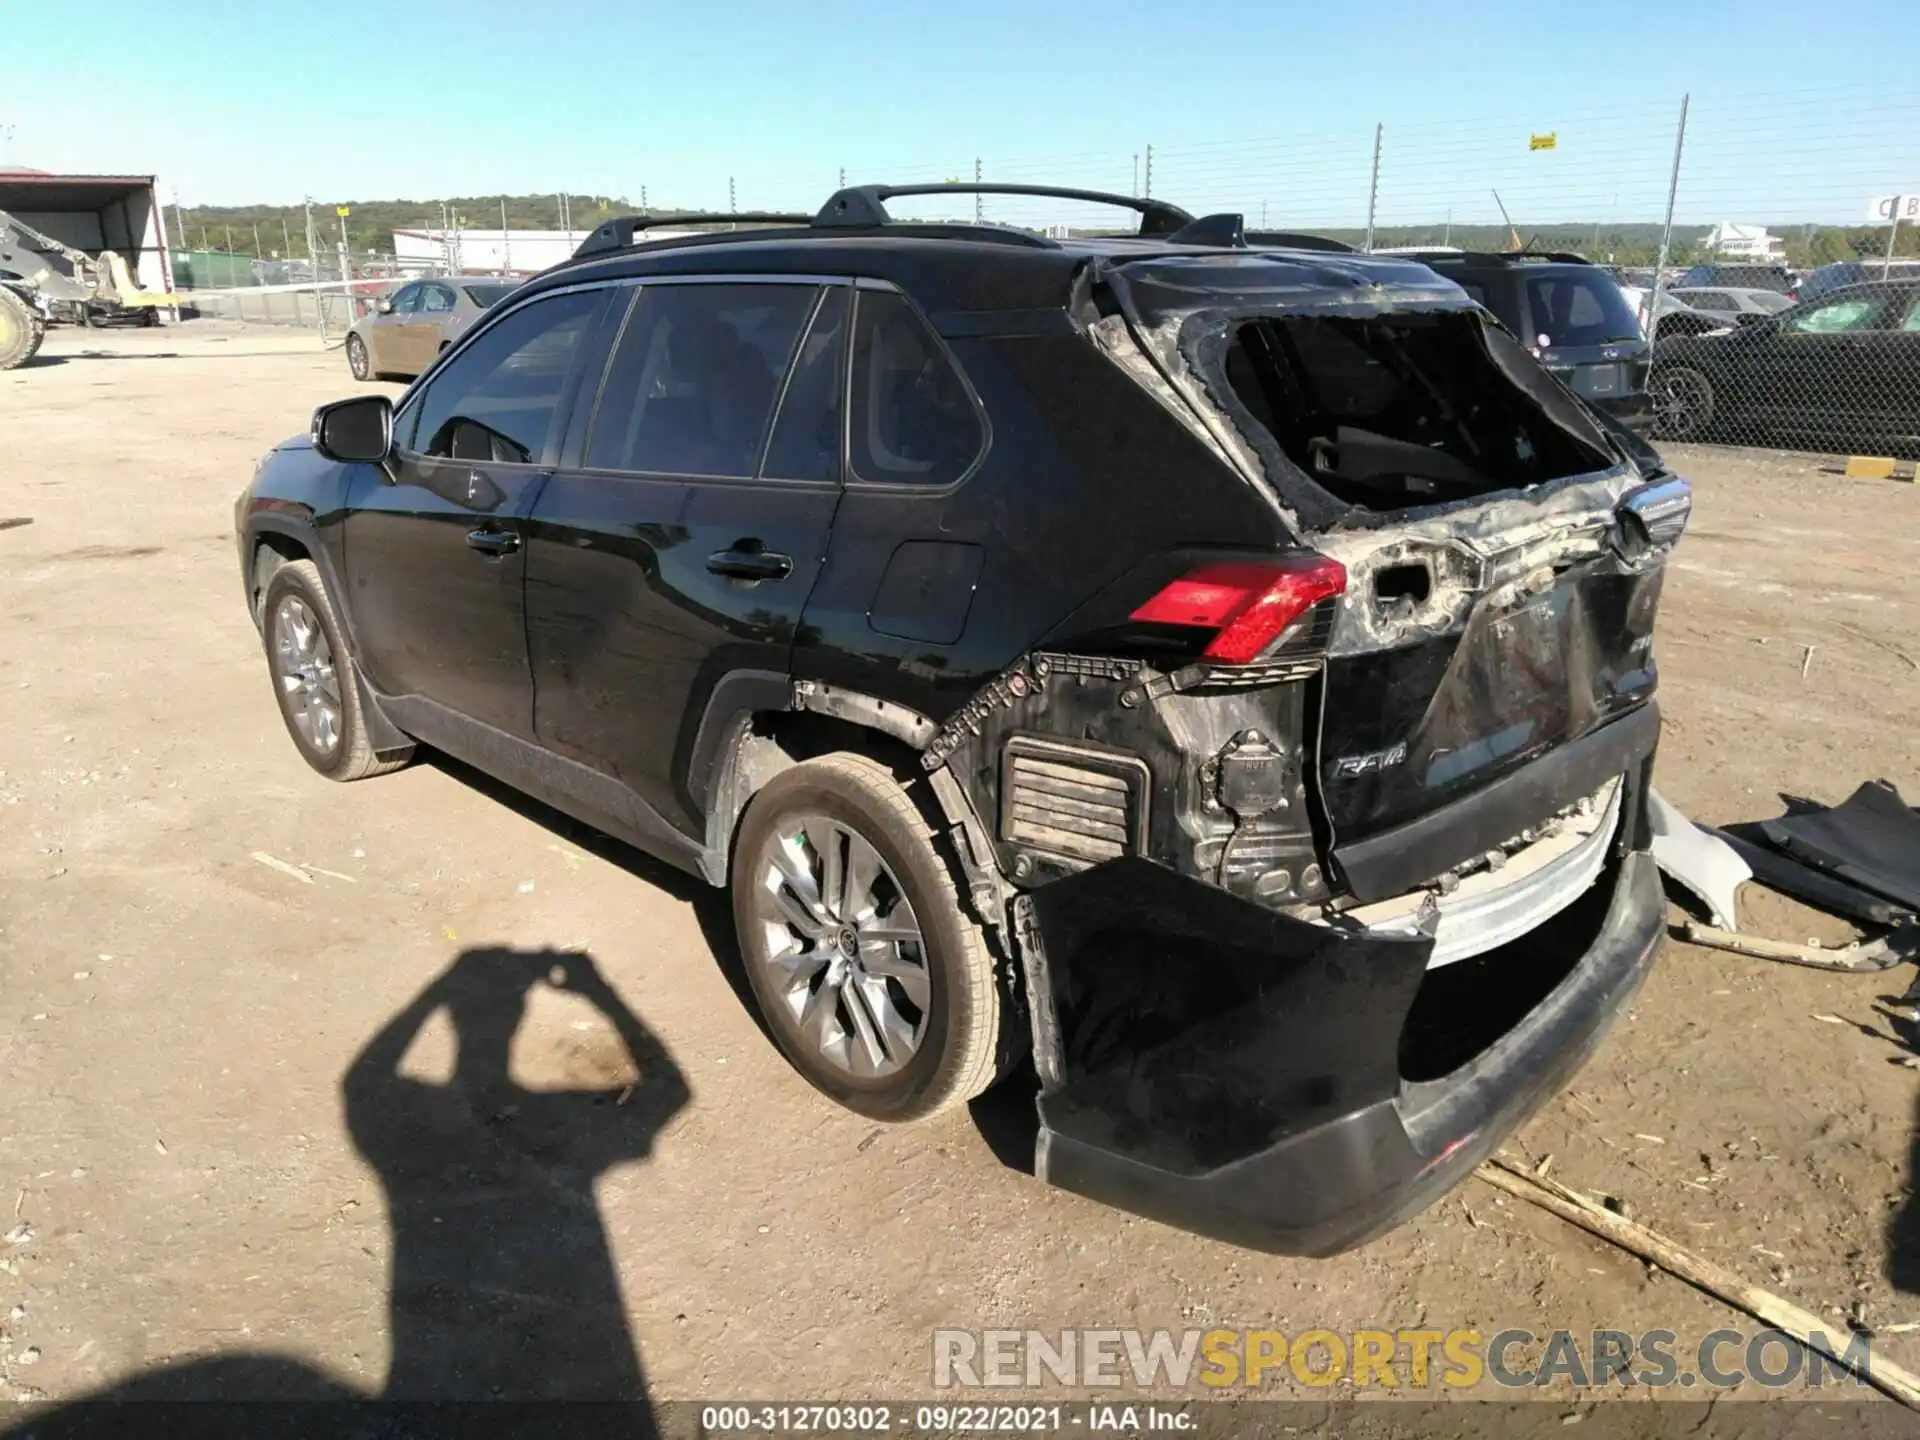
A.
x: 303, y: 669
x: 848, y: 960
x: 1682, y: 402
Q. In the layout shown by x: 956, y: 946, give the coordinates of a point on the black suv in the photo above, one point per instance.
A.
x: 1570, y: 313
x: 1220, y: 676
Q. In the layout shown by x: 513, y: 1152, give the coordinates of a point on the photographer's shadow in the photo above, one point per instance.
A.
x: 503, y: 1286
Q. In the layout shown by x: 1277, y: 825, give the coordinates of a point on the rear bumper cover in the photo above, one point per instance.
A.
x: 1233, y: 1072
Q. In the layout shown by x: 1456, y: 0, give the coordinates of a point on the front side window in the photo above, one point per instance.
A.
x: 913, y: 421
x: 1912, y: 323
x: 499, y: 399
x: 693, y: 383
x: 436, y: 300
x: 1837, y: 317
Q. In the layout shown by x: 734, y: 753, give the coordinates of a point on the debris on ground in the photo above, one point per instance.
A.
x: 1612, y: 1224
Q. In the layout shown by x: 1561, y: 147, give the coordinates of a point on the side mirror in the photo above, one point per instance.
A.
x: 385, y: 307
x: 356, y: 431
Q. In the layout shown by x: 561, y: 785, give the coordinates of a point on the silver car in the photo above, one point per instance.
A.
x: 417, y: 322
x: 1734, y: 305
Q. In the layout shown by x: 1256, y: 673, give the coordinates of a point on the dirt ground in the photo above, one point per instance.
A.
x: 204, y: 949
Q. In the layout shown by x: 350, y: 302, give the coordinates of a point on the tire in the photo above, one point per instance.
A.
x: 297, y: 612
x: 22, y: 328
x: 845, y: 1035
x: 358, y: 360
x: 1683, y: 403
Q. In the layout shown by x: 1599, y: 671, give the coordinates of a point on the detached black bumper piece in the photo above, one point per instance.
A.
x: 1238, y: 1073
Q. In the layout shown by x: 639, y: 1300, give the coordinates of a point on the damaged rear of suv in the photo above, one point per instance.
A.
x: 1220, y: 672
x: 1331, y: 851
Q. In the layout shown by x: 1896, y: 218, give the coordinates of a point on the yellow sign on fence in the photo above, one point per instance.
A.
x: 1548, y: 141
x: 342, y: 211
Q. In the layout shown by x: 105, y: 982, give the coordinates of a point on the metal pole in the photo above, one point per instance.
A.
x: 228, y: 230
x: 256, y: 239
x: 643, y: 201
x: 1666, y: 231
x: 843, y: 177
x: 1893, y: 233
x: 286, y: 239
x: 1136, y: 174
x: 506, y: 239
x: 1449, y: 235
x: 731, y: 207
x: 1148, y: 192
x: 346, y: 271
x: 1373, y: 185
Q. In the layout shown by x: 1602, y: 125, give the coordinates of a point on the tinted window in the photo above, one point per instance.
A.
x: 1573, y: 308
x: 1709, y: 300
x: 806, y: 437
x: 1838, y: 315
x: 485, y: 295
x: 1771, y: 301
x: 407, y: 301
x: 913, y: 420
x: 499, y: 397
x: 436, y: 300
x: 694, y: 381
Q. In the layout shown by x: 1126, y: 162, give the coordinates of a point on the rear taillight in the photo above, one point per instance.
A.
x: 1248, y: 604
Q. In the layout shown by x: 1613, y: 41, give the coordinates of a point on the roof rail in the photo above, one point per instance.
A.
x: 1296, y: 240
x: 618, y: 233
x: 861, y: 206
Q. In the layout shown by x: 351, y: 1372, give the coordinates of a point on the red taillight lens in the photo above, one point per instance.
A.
x: 1248, y: 604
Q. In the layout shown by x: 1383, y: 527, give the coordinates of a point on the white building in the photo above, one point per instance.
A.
x: 1745, y: 242
x: 521, y: 252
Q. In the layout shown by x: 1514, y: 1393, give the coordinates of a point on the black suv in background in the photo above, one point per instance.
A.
x: 1569, y: 312
x: 1219, y: 676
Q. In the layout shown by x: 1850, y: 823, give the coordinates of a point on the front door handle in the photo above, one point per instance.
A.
x: 743, y: 564
x: 493, y: 542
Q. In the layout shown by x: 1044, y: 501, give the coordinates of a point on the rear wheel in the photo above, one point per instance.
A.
x: 313, y: 677
x: 22, y: 328
x: 1683, y: 403
x: 877, y: 986
x: 357, y: 360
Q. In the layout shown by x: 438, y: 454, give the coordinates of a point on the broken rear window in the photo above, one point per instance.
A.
x: 1408, y: 409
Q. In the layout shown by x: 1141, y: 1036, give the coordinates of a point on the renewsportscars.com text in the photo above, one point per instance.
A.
x: 1402, y: 1359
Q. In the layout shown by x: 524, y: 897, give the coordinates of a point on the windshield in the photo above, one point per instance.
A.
x: 1574, y: 308
x: 486, y: 295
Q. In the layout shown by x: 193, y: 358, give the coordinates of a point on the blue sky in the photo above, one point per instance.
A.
x: 1800, y: 111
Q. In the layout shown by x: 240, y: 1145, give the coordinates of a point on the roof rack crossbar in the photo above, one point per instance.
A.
x: 860, y: 206
x: 618, y: 233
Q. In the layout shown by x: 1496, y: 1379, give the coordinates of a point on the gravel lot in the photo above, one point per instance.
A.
x: 200, y: 940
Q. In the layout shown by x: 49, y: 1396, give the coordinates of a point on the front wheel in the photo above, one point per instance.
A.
x: 22, y: 328
x: 357, y: 360
x: 876, y: 985
x: 1683, y: 403
x: 313, y: 677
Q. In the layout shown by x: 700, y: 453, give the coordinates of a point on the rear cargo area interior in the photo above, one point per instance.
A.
x: 1390, y: 412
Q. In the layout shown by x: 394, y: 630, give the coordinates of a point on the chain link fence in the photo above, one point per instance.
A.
x: 1766, y: 245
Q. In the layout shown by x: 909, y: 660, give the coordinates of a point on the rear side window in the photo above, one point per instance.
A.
x: 806, y: 437
x: 436, y: 300
x: 694, y: 380
x: 1575, y: 308
x: 497, y: 400
x: 913, y: 420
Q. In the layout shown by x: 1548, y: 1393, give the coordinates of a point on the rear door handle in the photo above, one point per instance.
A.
x: 493, y: 542
x: 741, y: 564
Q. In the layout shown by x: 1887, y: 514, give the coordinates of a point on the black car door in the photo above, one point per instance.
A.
x: 1819, y: 361
x: 433, y: 542
x: 678, y: 542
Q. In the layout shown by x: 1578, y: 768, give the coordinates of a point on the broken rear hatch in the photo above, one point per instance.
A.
x: 1503, y: 554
